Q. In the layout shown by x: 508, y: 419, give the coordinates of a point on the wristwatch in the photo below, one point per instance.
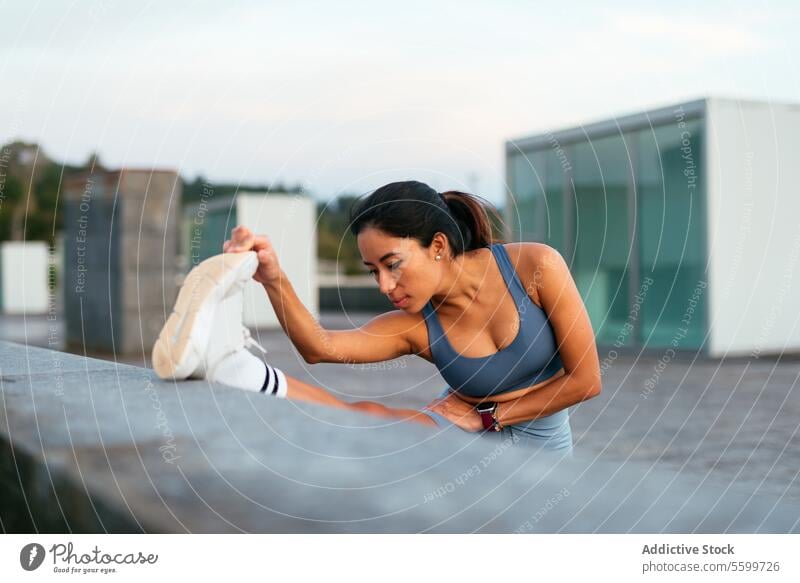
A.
x: 487, y: 411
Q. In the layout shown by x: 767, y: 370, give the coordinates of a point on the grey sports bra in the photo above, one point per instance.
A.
x: 531, y: 358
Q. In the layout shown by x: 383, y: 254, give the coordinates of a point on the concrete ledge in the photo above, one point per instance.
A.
x: 92, y: 446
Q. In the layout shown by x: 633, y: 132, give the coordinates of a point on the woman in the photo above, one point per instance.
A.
x: 503, y: 323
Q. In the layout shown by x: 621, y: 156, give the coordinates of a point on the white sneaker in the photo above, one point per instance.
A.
x: 206, y: 326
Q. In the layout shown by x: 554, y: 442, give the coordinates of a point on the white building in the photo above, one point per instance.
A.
x: 24, y: 277
x: 681, y: 225
x: 289, y: 220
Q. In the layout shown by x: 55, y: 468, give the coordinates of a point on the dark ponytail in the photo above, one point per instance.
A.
x: 472, y: 217
x: 414, y: 209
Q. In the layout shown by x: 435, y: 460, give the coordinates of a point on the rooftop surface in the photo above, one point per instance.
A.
x: 702, y: 431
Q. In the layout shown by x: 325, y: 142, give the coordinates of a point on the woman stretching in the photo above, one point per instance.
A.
x: 503, y: 323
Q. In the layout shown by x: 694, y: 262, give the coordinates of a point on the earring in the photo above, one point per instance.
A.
x: 438, y: 257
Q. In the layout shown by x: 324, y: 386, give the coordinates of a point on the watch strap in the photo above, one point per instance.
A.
x: 488, y: 418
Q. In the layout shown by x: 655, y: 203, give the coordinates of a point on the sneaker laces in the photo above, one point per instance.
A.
x: 249, y: 341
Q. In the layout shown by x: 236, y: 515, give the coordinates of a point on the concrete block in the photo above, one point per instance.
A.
x: 120, y: 229
x: 24, y: 277
x: 119, y: 450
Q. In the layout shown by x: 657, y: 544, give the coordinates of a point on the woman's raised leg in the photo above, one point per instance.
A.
x: 300, y: 391
x: 204, y: 338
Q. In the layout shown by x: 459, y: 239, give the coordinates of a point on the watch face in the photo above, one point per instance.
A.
x: 485, y: 407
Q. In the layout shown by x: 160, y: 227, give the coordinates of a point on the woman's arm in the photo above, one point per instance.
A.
x: 385, y: 337
x: 552, y: 398
x: 564, y: 308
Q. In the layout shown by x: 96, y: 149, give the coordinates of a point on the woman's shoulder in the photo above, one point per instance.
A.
x: 530, y: 255
x: 530, y: 260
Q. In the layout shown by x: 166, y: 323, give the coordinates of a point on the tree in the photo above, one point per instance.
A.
x: 93, y: 162
x: 10, y: 195
x: 334, y: 240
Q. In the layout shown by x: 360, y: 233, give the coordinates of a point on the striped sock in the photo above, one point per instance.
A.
x: 245, y: 370
x: 275, y: 383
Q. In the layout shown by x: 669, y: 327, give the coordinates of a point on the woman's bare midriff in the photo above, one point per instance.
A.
x: 511, y: 395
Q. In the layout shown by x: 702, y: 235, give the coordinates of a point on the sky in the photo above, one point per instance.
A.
x: 345, y: 96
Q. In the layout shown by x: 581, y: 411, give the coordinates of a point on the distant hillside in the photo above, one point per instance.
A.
x: 193, y: 191
x: 25, y: 169
x: 334, y: 241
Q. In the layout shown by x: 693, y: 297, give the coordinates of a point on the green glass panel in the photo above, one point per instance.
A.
x: 526, y: 185
x: 601, y: 175
x: 537, y: 181
x: 557, y: 166
x: 671, y: 232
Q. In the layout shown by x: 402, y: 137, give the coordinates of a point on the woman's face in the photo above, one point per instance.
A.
x: 406, y: 272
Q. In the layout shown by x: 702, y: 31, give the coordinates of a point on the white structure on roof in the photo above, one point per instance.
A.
x: 680, y: 224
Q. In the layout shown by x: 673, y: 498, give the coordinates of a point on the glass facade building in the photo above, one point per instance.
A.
x: 623, y: 202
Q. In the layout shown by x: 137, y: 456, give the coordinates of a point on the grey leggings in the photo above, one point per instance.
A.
x: 552, y: 432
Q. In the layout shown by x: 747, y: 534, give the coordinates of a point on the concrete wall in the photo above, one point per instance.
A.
x: 150, y: 209
x: 290, y: 223
x: 94, y: 446
x: 753, y: 186
x: 120, y: 243
x: 91, y: 262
